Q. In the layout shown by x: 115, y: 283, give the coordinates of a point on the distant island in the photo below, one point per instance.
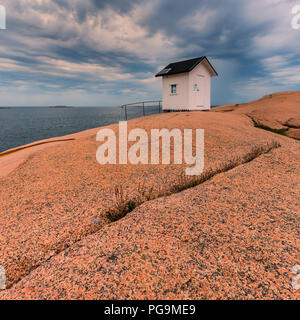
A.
x: 4, y: 108
x: 61, y: 107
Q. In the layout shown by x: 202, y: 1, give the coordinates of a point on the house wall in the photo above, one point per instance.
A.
x: 180, y: 100
x: 187, y: 98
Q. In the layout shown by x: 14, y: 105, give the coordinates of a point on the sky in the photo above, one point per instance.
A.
x: 107, y: 52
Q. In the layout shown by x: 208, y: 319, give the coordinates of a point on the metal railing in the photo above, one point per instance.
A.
x: 144, y: 105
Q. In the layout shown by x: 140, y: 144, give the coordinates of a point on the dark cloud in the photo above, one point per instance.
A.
x: 251, y: 43
x: 119, y: 5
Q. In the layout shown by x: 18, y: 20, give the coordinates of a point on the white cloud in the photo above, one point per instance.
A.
x: 253, y: 88
x: 201, y: 20
x: 280, y: 71
x: 112, y: 31
x: 277, y: 35
x: 105, y: 30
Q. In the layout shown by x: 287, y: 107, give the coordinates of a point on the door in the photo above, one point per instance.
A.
x: 198, y: 92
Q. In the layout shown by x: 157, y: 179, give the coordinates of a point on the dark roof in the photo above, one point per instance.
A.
x: 183, y: 66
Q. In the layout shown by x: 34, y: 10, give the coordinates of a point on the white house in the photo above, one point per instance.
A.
x: 187, y: 85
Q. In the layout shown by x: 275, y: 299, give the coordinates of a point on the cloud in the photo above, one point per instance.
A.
x: 282, y: 70
x: 202, y: 20
x: 114, y: 48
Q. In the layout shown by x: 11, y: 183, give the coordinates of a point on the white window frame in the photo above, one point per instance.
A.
x: 172, y: 86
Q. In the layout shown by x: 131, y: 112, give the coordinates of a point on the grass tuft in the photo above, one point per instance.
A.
x: 184, y: 182
x: 264, y: 127
x: 124, y: 205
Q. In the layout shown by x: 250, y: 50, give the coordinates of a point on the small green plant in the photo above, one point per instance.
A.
x: 182, y: 182
x: 124, y: 205
x: 267, y: 128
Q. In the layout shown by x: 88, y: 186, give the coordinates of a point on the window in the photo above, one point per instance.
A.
x: 173, y: 88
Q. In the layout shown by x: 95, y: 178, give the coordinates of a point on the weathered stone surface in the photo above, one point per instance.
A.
x: 234, y: 236
x: 277, y: 111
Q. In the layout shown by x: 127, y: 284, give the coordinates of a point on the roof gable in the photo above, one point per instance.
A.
x: 185, y: 66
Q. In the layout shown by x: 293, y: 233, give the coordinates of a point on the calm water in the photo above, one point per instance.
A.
x: 23, y: 125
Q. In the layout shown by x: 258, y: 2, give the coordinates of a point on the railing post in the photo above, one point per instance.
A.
x: 125, y: 107
x: 159, y: 107
x: 143, y: 108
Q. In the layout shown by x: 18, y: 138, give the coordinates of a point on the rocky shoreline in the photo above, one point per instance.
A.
x: 233, y: 235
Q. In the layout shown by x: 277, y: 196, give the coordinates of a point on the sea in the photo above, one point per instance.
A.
x: 23, y: 125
